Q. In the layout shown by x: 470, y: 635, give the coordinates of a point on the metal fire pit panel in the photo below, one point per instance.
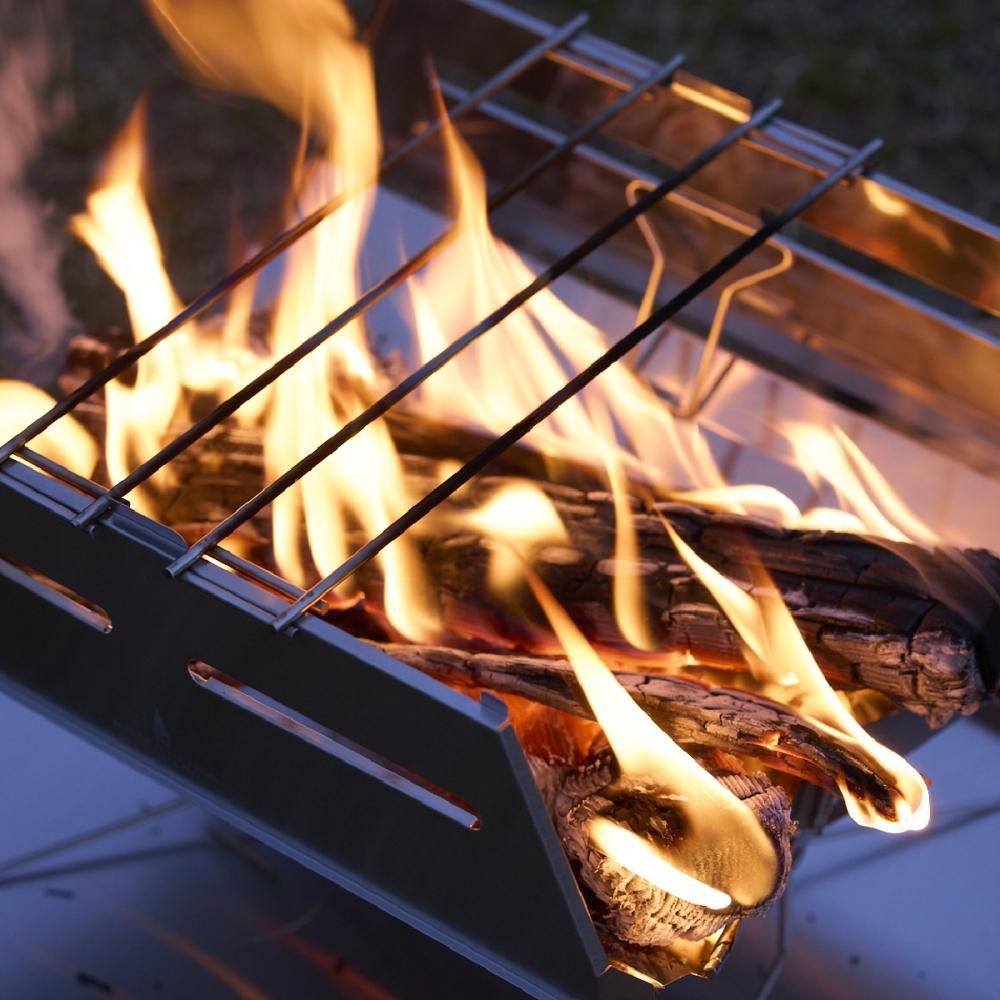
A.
x: 880, y: 342
x: 501, y: 894
x: 878, y: 216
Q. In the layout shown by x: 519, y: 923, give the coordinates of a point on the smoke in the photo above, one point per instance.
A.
x: 30, y: 50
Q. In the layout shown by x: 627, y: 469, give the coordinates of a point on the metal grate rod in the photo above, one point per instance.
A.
x: 353, y: 427
x: 579, y: 381
x: 373, y: 295
x: 284, y: 240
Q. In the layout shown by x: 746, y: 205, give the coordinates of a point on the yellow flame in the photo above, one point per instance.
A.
x: 528, y: 357
x: 361, y: 486
x: 521, y: 517
x: 829, y: 455
x: 641, y: 857
x: 748, y: 498
x: 291, y: 54
x: 502, y: 376
x: 118, y: 228
x: 628, y: 593
x: 782, y: 662
x: 724, y: 847
x: 303, y: 57
x: 65, y: 441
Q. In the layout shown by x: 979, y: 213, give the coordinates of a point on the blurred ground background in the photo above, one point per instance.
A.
x: 925, y: 76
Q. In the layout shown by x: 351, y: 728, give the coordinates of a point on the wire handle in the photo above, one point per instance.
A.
x: 579, y: 381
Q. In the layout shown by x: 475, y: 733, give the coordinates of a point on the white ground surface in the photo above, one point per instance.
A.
x: 162, y: 910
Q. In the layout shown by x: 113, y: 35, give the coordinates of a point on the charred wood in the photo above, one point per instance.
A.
x: 626, y: 907
x: 905, y: 621
x: 699, y: 718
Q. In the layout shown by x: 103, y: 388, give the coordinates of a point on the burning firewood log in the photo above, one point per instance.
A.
x: 581, y: 780
x: 905, y: 621
x: 868, y: 613
x: 697, y: 717
x: 628, y: 908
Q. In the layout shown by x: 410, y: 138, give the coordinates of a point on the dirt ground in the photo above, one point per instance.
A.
x: 924, y: 76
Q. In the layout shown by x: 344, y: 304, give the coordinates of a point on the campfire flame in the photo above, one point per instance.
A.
x: 329, y: 81
x: 782, y: 663
x: 65, y: 441
x: 869, y: 504
x: 528, y: 357
x: 304, y: 58
x: 118, y: 228
x: 725, y: 854
x: 525, y: 518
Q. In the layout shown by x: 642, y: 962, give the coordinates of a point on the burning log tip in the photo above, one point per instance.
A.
x: 710, y: 719
x: 630, y: 909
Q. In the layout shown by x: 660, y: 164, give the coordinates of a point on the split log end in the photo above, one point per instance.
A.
x: 625, y: 906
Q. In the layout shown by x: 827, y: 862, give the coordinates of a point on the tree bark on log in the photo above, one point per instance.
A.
x: 697, y: 717
x: 907, y: 622
x: 868, y: 613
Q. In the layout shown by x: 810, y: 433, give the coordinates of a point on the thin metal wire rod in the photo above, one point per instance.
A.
x: 59, y: 471
x: 284, y: 240
x: 96, y: 833
x: 267, y: 579
x: 575, y: 385
x: 353, y: 427
x: 373, y: 295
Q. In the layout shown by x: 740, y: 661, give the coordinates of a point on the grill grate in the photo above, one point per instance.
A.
x: 319, y: 713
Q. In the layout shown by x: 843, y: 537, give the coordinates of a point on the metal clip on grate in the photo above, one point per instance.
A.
x: 499, y: 445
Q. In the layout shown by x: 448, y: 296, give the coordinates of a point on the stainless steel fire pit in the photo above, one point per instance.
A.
x: 211, y: 672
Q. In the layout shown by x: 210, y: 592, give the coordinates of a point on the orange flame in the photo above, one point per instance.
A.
x: 519, y: 518
x: 65, y: 441
x: 118, y: 228
x: 303, y: 57
x: 725, y: 854
x: 527, y: 358
x: 782, y: 662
